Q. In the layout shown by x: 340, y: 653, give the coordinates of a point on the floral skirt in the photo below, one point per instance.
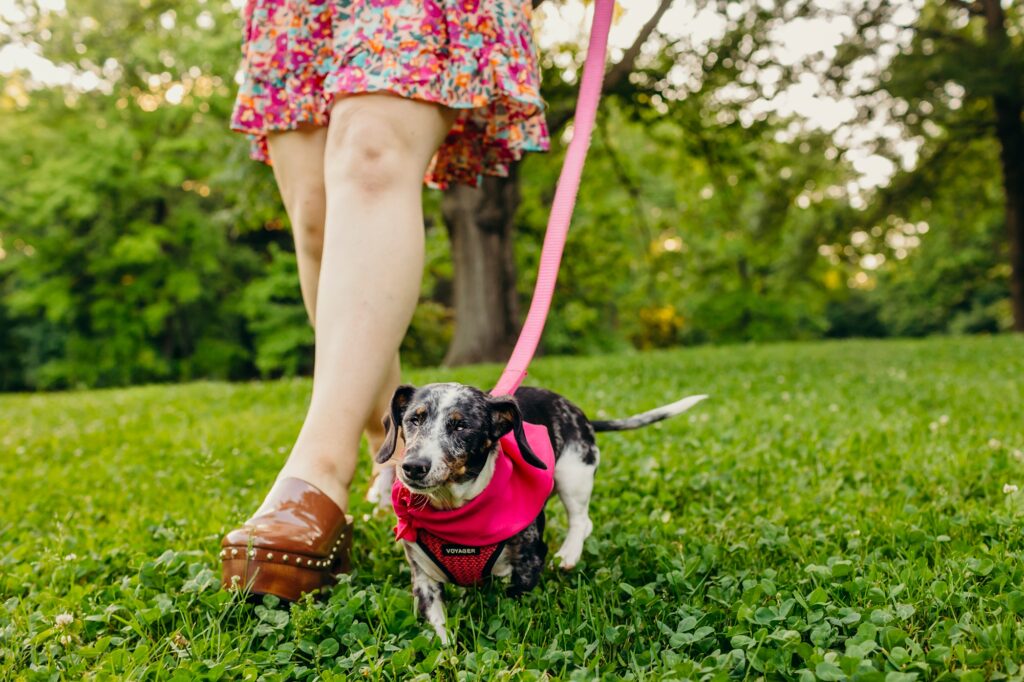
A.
x: 476, y: 56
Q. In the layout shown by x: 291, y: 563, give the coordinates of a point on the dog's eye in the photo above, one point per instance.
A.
x: 416, y: 419
x: 458, y: 425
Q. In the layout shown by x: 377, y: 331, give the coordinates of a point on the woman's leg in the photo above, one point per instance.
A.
x: 298, y: 157
x: 376, y: 150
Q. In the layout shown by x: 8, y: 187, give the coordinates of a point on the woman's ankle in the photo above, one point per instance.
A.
x: 322, y: 473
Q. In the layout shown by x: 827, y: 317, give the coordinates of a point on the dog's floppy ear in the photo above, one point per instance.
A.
x: 505, y: 417
x: 393, y: 422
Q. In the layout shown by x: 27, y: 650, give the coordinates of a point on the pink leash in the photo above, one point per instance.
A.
x: 564, y: 202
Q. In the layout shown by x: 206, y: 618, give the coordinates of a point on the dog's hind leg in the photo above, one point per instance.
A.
x: 574, y: 480
x: 429, y: 597
x: 528, y: 552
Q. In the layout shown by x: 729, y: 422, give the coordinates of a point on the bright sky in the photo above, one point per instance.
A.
x: 796, y: 40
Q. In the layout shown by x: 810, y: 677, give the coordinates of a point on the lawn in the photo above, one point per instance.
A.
x: 835, y: 510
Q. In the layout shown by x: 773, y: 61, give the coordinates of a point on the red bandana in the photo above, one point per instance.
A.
x: 511, y: 501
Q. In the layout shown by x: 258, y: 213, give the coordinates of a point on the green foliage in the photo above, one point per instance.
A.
x: 138, y: 243
x: 834, y: 511
x: 704, y: 220
x: 123, y: 263
x: 123, y: 274
x: 433, y: 323
x: 960, y: 269
x: 272, y: 306
x: 941, y: 85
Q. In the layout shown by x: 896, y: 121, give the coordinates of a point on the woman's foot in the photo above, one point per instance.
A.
x: 296, y: 543
x: 326, y: 477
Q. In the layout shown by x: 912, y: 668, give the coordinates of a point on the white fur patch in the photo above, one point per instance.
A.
x: 424, y: 580
x: 414, y: 552
x: 574, y: 481
x: 502, y: 566
x: 464, y: 492
x: 379, y: 492
x: 680, y: 406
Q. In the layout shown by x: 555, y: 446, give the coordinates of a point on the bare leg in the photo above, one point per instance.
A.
x: 379, y: 490
x: 376, y: 150
x: 299, y: 171
x: 298, y: 157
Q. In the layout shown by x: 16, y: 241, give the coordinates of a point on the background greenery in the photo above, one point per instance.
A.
x: 138, y: 243
x: 839, y: 510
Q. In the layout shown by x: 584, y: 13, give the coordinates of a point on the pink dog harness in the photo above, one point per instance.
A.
x: 465, y: 542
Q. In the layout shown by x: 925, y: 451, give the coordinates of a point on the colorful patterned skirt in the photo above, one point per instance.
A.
x: 476, y: 56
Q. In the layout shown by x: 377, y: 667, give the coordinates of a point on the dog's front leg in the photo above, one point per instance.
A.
x: 429, y: 596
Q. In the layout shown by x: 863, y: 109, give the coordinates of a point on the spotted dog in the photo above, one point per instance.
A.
x: 451, y: 434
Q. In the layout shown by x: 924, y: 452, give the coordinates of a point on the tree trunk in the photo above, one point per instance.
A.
x: 481, y: 226
x: 1011, y: 138
x: 1009, y: 106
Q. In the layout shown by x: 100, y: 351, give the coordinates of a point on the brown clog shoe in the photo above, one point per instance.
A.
x: 297, y: 545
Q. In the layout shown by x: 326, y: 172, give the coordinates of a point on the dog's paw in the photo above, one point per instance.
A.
x: 442, y: 635
x: 571, y: 550
x: 379, y: 492
x: 384, y: 505
x: 568, y: 560
x: 569, y: 553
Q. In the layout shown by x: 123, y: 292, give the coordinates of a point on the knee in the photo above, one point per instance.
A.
x: 367, y: 150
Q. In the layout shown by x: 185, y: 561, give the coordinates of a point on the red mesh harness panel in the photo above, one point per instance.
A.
x: 465, y: 565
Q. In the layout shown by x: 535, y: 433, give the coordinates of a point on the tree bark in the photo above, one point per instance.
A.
x: 1009, y: 107
x: 1011, y: 139
x: 481, y: 226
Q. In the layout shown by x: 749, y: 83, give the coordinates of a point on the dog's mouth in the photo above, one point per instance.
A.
x: 418, y: 487
x: 440, y: 495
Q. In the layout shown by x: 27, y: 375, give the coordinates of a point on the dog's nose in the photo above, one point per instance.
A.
x: 416, y: 469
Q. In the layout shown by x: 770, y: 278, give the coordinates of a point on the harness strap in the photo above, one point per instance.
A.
x: 464, y: 565
x: 564, y: 201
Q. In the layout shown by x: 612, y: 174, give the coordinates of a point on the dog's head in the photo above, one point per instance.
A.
x: 451, y: 431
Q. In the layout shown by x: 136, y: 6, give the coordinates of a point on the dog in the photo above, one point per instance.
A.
x: 451, y: 433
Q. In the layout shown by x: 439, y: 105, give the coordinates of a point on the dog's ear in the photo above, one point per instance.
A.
x: 505, y: 417
x: 393, y: 422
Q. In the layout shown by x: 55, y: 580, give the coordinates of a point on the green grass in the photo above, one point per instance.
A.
x: 835, y: 510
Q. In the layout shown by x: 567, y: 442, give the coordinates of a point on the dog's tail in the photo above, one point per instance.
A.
x: 649, y: 417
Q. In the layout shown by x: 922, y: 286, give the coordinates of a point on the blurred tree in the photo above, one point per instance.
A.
x: 698, y: 97
x: 139, y: 243
x: 127, y: 209
x: 481, y: 226
x: 957, y: 79
x: 702, y: 216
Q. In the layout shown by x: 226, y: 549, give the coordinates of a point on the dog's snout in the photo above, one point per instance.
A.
x: 416, y: 469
